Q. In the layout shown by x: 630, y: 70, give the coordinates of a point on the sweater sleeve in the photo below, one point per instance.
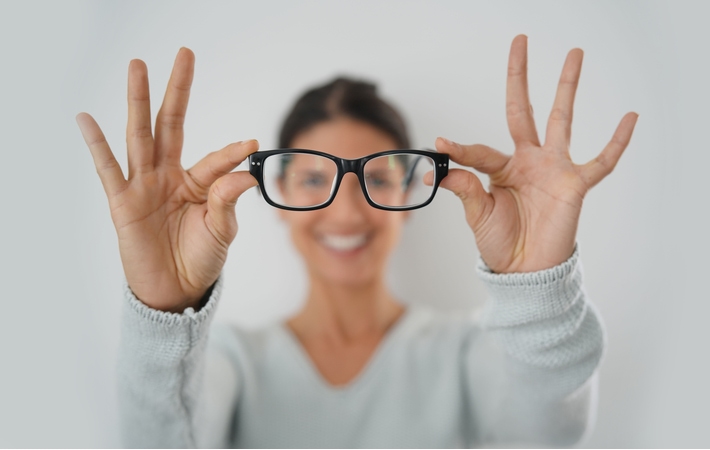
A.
x: 530, y: 370
x: 174, y: 389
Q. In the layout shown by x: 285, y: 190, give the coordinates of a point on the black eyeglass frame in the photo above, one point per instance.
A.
x: 356, y: 166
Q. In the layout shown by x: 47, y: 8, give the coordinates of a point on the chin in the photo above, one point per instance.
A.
x: 351, y: 269
x: 345, y: 278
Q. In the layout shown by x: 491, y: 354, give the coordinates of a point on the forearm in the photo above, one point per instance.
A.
x: 546, y: 341
x: 161, y: 371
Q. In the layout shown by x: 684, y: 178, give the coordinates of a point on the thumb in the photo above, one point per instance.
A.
x: 221, y: 219
x: 477, y: 203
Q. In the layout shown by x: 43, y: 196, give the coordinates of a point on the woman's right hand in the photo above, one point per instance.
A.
x: 174, y: 225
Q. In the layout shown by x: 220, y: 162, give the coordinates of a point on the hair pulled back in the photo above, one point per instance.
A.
x: 343, y: 97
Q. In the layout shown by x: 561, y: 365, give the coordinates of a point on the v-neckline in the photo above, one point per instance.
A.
x: 305, y: 360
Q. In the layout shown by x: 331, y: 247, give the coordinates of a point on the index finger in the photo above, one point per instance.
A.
x: 219, y: 163
x: 481, y: 157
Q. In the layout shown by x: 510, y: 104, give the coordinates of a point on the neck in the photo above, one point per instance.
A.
x: 346, y: 313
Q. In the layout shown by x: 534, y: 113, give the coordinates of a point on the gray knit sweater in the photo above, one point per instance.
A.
x: 524, y: 374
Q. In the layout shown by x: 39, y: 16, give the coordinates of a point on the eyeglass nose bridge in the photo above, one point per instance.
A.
x: 347, y: 166
x: 351, y: 165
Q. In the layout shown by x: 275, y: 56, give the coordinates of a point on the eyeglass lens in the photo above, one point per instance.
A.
x: 300, y: 180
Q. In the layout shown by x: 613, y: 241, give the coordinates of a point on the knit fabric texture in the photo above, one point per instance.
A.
x: 523, y: 373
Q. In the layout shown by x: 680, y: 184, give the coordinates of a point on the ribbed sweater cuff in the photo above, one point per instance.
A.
x: 151, y: 325
x: 517, y: 298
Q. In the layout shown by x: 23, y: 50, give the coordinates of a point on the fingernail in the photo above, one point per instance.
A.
x: 249, y: 142
x: 447, y: 141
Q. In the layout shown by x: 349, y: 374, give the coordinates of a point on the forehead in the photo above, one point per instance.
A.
x: 346, y: 138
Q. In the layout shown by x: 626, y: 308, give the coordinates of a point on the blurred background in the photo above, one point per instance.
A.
x: 643, y: 232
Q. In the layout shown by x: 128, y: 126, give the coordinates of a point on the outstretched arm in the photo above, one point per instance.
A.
x: 531, y: 372
x: 174, y: 228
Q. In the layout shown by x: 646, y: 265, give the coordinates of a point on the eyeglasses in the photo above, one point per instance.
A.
x: 304, y: 180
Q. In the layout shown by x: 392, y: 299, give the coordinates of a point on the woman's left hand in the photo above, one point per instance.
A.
x: 528, y: 219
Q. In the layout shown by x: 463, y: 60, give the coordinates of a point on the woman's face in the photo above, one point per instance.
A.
x: 348, y: 242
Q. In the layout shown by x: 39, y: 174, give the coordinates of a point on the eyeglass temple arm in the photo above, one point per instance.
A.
x: 410, y: 172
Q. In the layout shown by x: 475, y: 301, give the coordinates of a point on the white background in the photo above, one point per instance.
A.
x: 643, y: 233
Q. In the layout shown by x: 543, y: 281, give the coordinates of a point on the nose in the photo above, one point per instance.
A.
x: 349, y: 203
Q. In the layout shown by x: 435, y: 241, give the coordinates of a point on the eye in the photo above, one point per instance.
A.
x: 378, y: 181
x: 313, y: 180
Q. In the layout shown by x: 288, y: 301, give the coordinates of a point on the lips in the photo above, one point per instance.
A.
x: 343, y: 243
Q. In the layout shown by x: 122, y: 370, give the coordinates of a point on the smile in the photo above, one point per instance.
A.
x: 343, y: 243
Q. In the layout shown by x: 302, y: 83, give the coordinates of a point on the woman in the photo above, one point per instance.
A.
x: 354, y: 368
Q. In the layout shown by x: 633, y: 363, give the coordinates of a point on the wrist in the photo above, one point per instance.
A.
x: 530, y: 261
x: 544, y: 269
x: 171, y: 301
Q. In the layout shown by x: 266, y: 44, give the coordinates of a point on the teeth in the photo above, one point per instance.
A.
x: 343, y: 243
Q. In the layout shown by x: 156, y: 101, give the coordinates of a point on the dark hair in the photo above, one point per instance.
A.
x: 343, y: 97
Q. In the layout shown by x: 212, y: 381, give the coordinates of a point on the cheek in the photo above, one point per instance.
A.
x: 298, y: 219
x: 300, y: 224
x: 391, y: 227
